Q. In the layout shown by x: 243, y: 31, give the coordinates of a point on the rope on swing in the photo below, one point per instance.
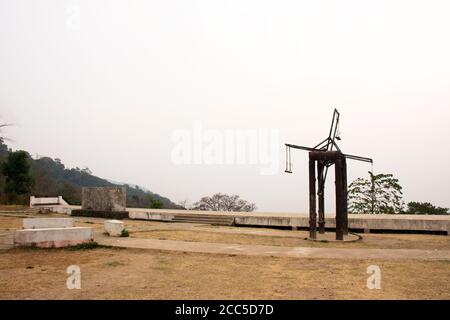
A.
x: 288, y: 160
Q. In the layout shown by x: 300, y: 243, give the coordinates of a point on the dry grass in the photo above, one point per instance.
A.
x: 204, y: 233
x: 10, y: 223
x: 147, y: 274
x: 13, y: 208
x: 381, y: 241
x: 150, y: 274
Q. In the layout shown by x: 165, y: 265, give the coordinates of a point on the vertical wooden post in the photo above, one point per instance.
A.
x: 339, y: 200
x: 321, y: 194
x: 312, y: 199
x: 345, y: 204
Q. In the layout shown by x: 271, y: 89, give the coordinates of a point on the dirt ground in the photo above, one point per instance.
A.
x: 263, y: 236
x: 147, y: 274
x: 110, y: 273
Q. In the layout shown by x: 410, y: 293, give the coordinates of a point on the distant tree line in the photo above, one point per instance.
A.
x: 382, y: 194
x: 425, y: 208
x: 22, y: 176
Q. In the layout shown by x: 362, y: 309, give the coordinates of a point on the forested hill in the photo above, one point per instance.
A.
x: 52, y: 178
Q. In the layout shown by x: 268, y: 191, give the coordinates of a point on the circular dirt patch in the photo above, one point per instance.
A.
x: 331, y: 237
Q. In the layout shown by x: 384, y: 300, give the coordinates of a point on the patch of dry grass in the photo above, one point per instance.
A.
x: 148, y: 274
x: 13, y: 208
x: 109, y: 273
x: 10, y: 223
x: 381, y: 241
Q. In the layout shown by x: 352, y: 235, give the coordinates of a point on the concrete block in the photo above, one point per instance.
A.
x: 104, y: 199
x: 114, y: 227
x: 53, y: 237
x: 44, y: 223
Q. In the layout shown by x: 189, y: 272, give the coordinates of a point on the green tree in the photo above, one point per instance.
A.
x: 425, y: 208
x: 156, y: 204
x: 16, y: 169
x: 3, y: 147
x: 379, y: 194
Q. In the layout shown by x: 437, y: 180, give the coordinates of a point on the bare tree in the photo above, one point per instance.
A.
x: 186, y: 204
x: 224, y: 202
x: 2, y: 126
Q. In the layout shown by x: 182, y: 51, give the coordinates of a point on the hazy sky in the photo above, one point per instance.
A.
x: 109, y: 84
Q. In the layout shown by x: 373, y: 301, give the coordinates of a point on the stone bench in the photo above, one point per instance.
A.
x: 46, y: 223
x: 114, y: 228
x: 53, y: 237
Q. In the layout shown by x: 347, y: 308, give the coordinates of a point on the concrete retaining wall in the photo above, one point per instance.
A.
x: 413, y: 224
x: 385, y: 222
x: 140, y: 215
x: 419, y: 223
x: 54, y: 237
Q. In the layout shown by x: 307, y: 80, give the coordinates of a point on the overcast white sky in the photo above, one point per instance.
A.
x: 109, y: 93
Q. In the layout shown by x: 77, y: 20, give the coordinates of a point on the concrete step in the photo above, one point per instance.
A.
x: 204, y: 219
x: 202, y: 215
x: 214, y: 223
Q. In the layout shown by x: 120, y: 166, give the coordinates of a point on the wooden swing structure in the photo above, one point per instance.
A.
x: 324, y: 155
